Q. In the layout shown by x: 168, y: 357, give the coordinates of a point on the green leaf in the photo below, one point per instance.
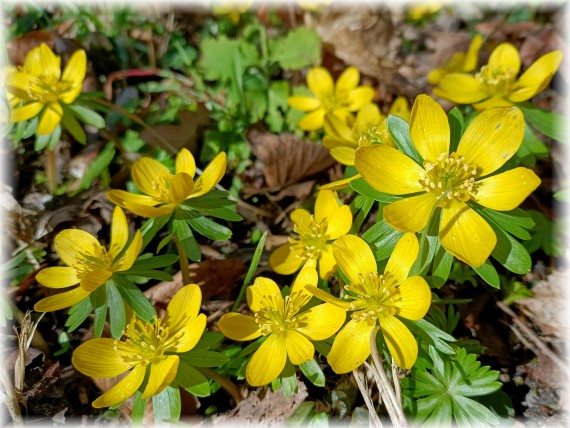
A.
x: 117, y: 314
x: 87, y: 116
x: 399, y: 129
x: 299, y: 49
x: 209, y: 228
x: 441, y: 267
x: 277, y: 104
x: 200, y: 358
x: 531, y: 148
x: 510, y: 253
x: 549, y: 123
x: 31, y: 127
x: 184, y: 234
x: 455, y: 119
x: 383, y: 237
x: 545, y: 235
x: 312, y: 370
x: 209, y: 340
x: 214, y: 203
x: 362, y: 187
x: 135, y: 298
x: 152, y: 262
x: 489, y: 274
x: 151, y: 227
x: 74, y: 128
x: 289, y: 383
x: 431, y: 334
x: 218, y: 57
x: 148, y: 274
x: 100, y: 164
x: 361, y: 206
x: 301, y: 414
x: 166, y: 406
x: 100, y: 313
x: 192, y: 380
x: 137, y: 412
x: 78, y: 313
x: 251, y: 270
x: 515, y: 221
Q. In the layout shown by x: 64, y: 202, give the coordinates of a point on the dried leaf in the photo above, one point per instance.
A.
x: 19, y: 48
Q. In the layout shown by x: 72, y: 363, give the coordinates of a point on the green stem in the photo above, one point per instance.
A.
x: 227, y: 384
x: 183, y: 259
x: 51, y: 170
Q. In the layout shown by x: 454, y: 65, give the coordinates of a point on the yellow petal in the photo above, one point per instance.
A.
x: 50, y: 118
x: 320, y: 82
x: 351, y: 347
x: 359, y: 97
x: 119, y: 232
x: 506, y: 191
x: 61, y: 300
x: 74, y: 73
x: 388, y: 170
x: 94, y: 279
x: 146, y: 172
x: 460, y: 88
x: 148, y: 211
x: 162, y: 373
x: 25, y: 112
x: 99, y: 358
x: 264, y: 293
x: 410, y: 214
x: 122, y: 390
x: 368, y: 115
x: 326, y: 206
x: 302, y: 220
x: 211, y: 176
x: 470, y: 61
x: 267, y: 362
x: 326, y: 297
x: 429, y: 128
x: 284, y: 260
x: 187, y: 335
x: 465, y: 234
x: 57, y: 277
x: 496, y: 101
x: 300, y: 295
x: 403, y: 257
x: 184, y: 306
x: 313, y: 120
x: 337, y: 128
x: 435, y: 75
x: 400, y: 107
x: 354, y: 257
x: 321, y: 321
x: 344, y: 155
x: 181, y: 186
x: 240, y: 327
x: 120, y: 196
x: 130, y: 255
x: 505, y: 56
x: 492, y: 138
x: 185, y: 162
x: 32, y: 62
x: 50, y: 64
x: 416, y: 298
x: 71, y: 243
x: 304, y: 103
x: 401, y: 343
x: 327, y: 263
x: 299, y: 349
x: 340, y: 184
x: 537, y: 77
x: 346, y: 82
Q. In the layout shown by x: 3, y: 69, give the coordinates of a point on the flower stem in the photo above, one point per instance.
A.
x: 227, y: 384
x: 51, y: 170
x: 372, y: 415
x: 183, y: 259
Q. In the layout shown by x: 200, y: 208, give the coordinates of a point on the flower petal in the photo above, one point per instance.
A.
x: 50, y: 118
x: 25, y: 112
x: 181, y: 186
x: 401, y: 343
x: 184, y: 306
x: 369, y: 115
x: 72, y: 243
x: 119, y: 232
x: 57, y: 277
x: 429, y: 128
x: 99, y: 358
x: 304, y: 103
x: 327, y: 263
x: 359, y: 97
x: 326, y: 206
x: 264, y: 293
x: 354, y: 257
x: 149, y: 211
x: 496, y: 101
x: 537, y: 77
x: 185, y: 162
x: 211, y: 176
x: 472, y: 54
x: 285, y: 260
x: 50, y: 63
x: 146, y: 172
x: 403, y: 257
x: 410, y: 214
x: 320, y: 82
x: 465, y: 234
x: 329, y: 298
x: 94, y: 279
x: 340, y: 184
x: 388, y: 170
x: 400, y: 107
x: 321, y: 321
x: 351, y: 347
x: 236, y: 326
x: 130, y: 255
x: 302, y: 220
x: 299, y: 348
x: 344, y: 155
x: 61, y: 300
x: 300, y: 295
x: 505, y: 56
x: 74, y: 73
x: 460, y: 88
x: 346, y: 82
x: 416, y: 298
x: 267, y: 362
x: 162, y: 373
x: 187, y: 335
x: 313, y: 120
x: 122, y: 390
x: 337, y: 128
x: 492, y: 138
x: 506, y: 191
x: 120, y: 196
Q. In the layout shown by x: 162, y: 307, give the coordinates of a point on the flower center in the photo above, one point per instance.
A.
x: 450, y: 177
x: 312, y: 241
x: 162, y: 186
x: 150, y: 341
x: 369, y: 133
x: 86, y: 263
x: 274, y: 319
x: 329, y: 102
x: 375, y: 298
x: 47, y: 88
x: 497, y: 80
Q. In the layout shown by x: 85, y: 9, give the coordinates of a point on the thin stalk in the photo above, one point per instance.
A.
x: 227, y: 384
x: 383, y: 395
x: 373, y: 416
x: 51, y: 170
x: 183, y: 259
x: 396, y: 381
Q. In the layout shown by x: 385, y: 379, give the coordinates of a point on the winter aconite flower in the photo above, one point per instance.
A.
x: 369, y: 128
x: 149, y: 349
x: 496, y: 84
x: 448, y: 185
x: 165, y: 191
x: 316, y: 233
x: 460, y: 62
x: 341, y: 99
x: 377, y: 301
x: 89, y: 264
x: 43, y: 88
x: 287, y: 327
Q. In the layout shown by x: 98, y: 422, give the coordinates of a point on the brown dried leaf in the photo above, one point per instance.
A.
x: 19, y: 48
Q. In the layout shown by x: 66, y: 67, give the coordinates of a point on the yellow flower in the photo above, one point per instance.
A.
x: 89, y: 264
x: 369, y: 127
x: 43, y: 88
x: 496, y: 84
x: 419, y: 11
x: 149, y: 349
x: 289, y: 329
x: 164, y: 191
x: 316, y: 233
x: 459, y: 62
x: 231, y: 8
x: 453, y: 181
x: 377, y: 300
x: 341, y: 99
